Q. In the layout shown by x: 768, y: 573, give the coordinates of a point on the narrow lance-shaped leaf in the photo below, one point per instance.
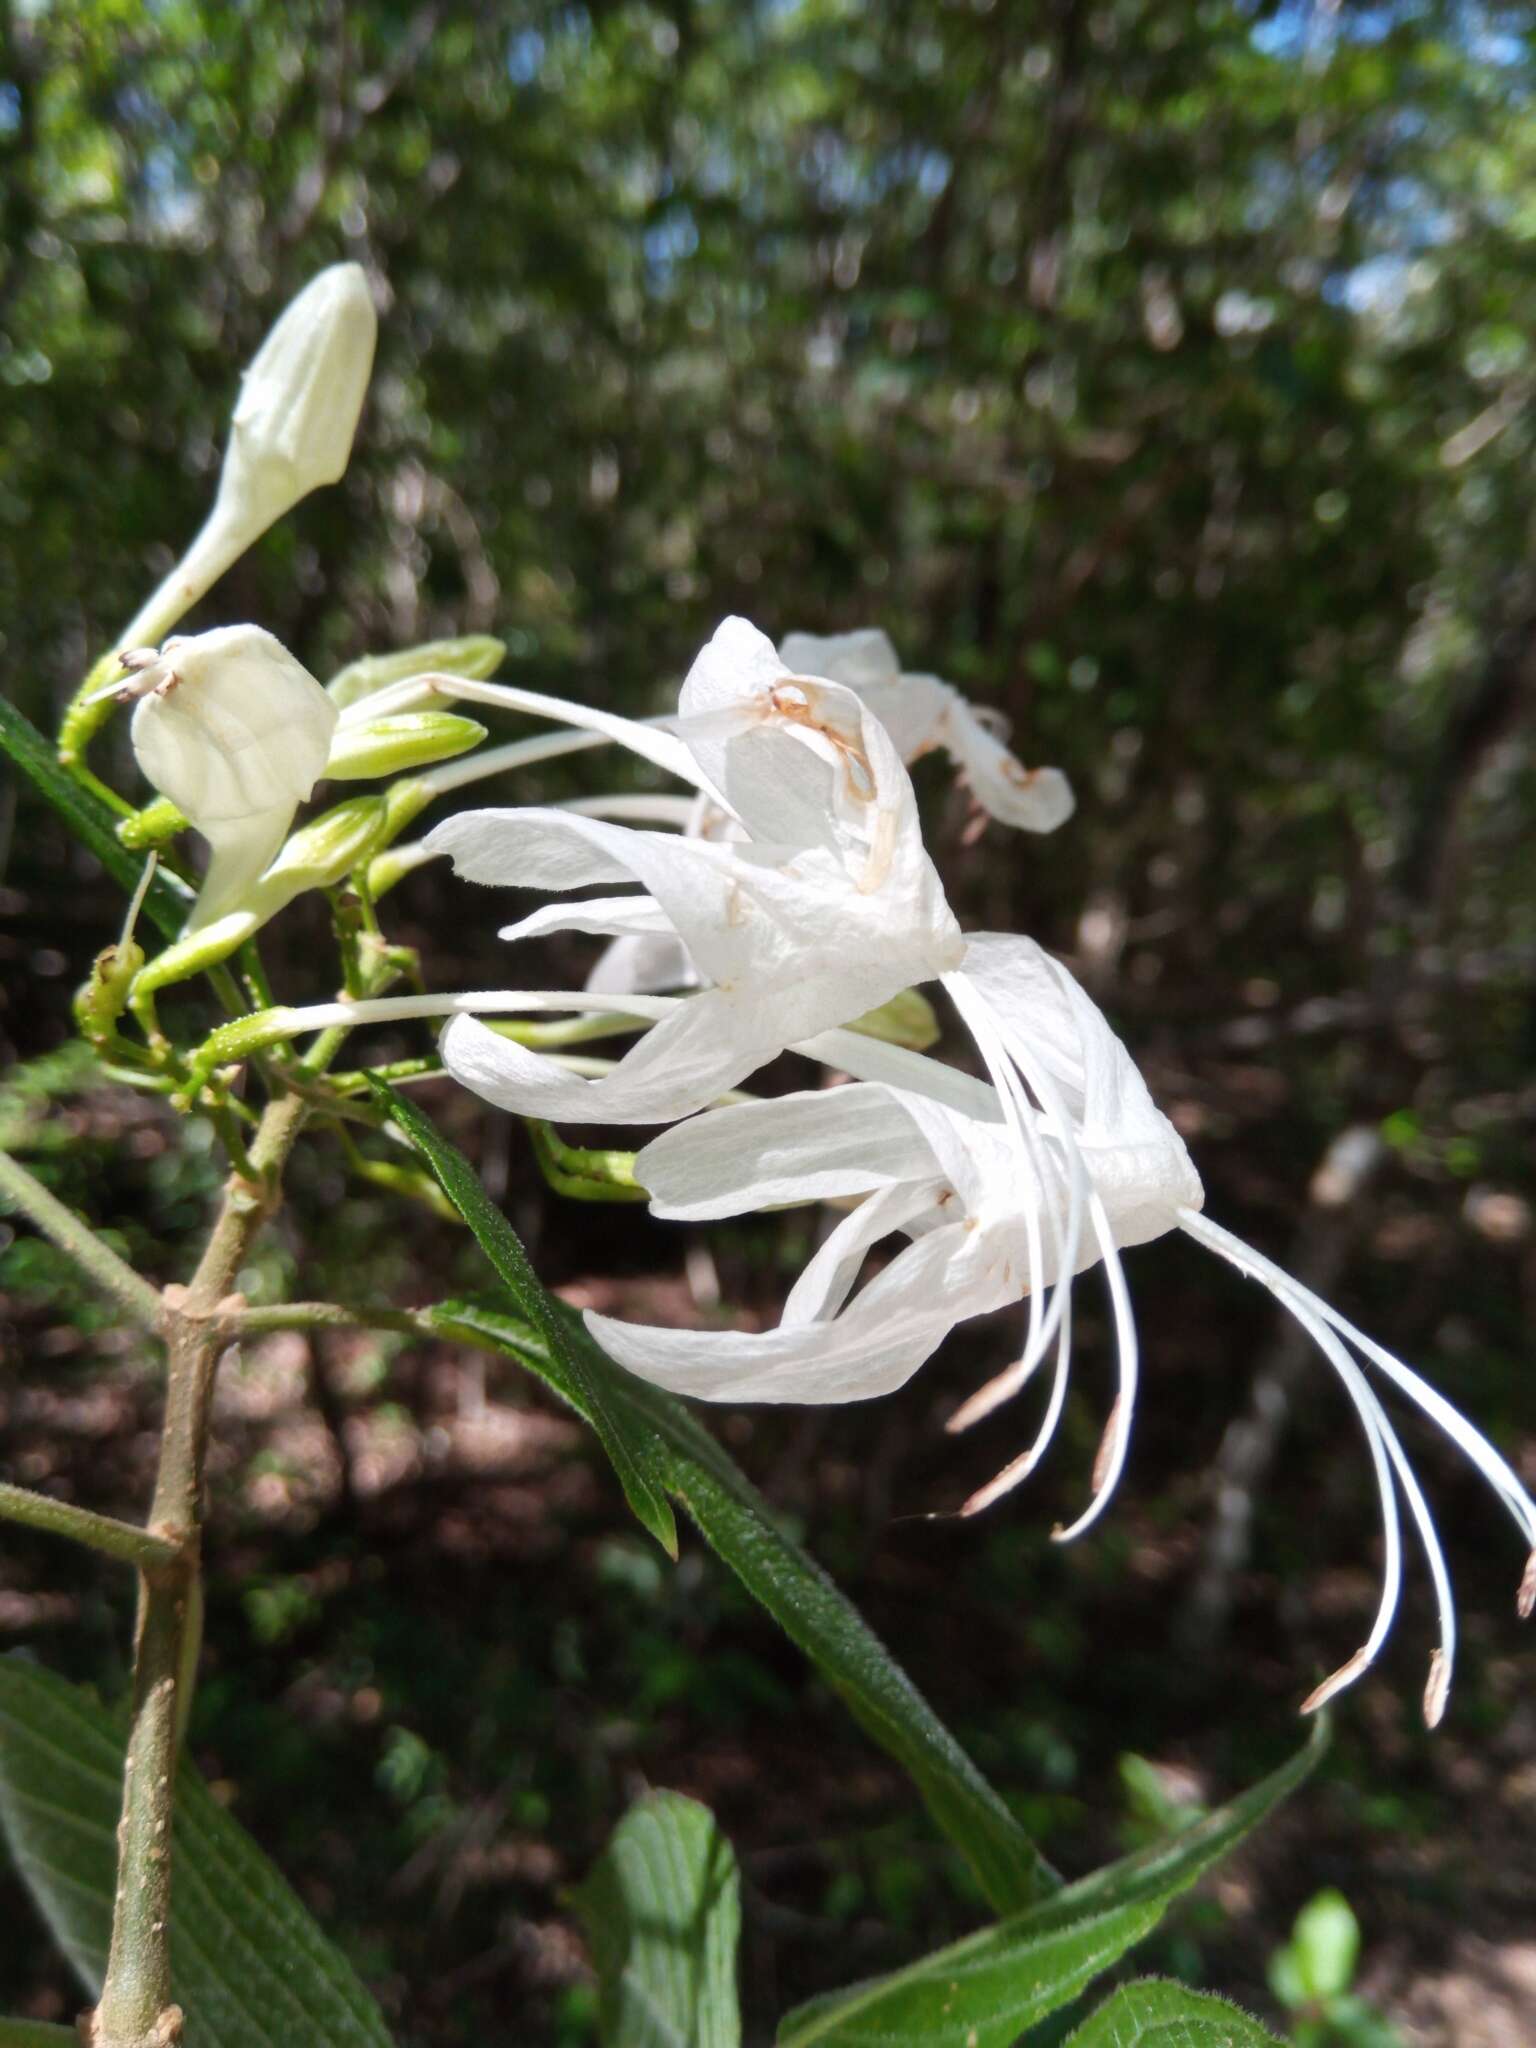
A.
x: 90, y: 821
x: 631, y: 1445
x: 984, y: 1991
x: 1158, y: 2014
x: 736, y: 1523
x: 662, y: 1910
x: 249, y: 1967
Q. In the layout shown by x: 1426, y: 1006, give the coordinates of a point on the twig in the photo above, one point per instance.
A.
x: 99, y: 1532
x: 136, y: 2009
x: 98, y: 1259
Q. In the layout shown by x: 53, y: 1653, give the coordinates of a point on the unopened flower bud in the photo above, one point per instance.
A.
x: 236, y: 733
x: 477, y: 656
x: 907, y: 1019
x: 299, y: 401
x: 410, y: 739
x: 291, y: 431
x: 323, y: 852
x: 103, y: 998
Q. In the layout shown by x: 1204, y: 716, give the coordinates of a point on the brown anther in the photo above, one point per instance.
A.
x: 1525, y: 1599
x: 135, y: 658
x: 1436, y: 1689
x: 1108, y: 1443
x: 1345, y: 1674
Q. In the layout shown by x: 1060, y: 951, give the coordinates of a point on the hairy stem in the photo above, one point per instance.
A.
x: 99, y: 1532
x: 135, y: 1295
x: 136, y: 2010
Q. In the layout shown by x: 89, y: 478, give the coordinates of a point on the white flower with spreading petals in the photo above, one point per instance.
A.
x: 826, y: 908
x: 1005, y: 1192
x: 236, y: 733
x: 921, y: 712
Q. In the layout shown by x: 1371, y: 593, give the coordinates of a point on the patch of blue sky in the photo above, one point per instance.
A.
x: 525, y: 56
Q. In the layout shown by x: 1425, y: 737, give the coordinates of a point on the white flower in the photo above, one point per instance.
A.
x: 826, y: 908
x: 291, y: 432
x: 1005, y: 1192
x: 920, y: 712
x: 236, y: 733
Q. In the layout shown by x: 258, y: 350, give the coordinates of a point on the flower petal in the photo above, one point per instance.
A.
x: 1135, y: 1158
x: 797, y: 1148
x: 1030, y: 799
x: 858, y: 659
x: 683, y: 1063
x: 876, y: 1344
x: 826, y: 1281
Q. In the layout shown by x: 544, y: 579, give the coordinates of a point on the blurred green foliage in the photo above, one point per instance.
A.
x: 1162, y: 374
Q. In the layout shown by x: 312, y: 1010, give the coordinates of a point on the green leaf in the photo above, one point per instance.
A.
x: 735, y: 1521
x: 662, y: 1910
x: 90, y: 821
x: 1157, y: 2014
x: 631, y: 1446
x: 249, y: 1967
x: 36, y: 2034
x: 1325, y: 1947
x: 984, y: 1991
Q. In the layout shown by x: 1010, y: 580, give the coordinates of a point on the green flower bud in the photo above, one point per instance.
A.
x: 100, y: 1001
x: 322, y: 853
x: 409, y: 739
x: 476, y: 656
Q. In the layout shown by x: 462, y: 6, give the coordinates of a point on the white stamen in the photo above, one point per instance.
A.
x: 1018, y: 1469
x: 1127, y: 1354
x: 136, y: 901
x: 1023, y: 1126
x: 1379, y: 1438
x: 1471, y: 1442
x: 1324, y: 1329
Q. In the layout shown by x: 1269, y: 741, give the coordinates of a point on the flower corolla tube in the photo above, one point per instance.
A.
x: 814, y: 903
x: 236, y: 733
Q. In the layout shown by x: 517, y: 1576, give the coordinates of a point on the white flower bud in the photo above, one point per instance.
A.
x: 236, y: 733
x: 300, y: 400
x: 291, y: 432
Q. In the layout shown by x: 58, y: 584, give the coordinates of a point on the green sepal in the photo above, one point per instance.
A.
x: 584, y: 1173
x: 156, y: 825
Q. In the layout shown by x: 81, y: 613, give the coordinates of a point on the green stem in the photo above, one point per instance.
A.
x: 329, y: 1315
x: 136, y: 2010
x: 98, y: 1532
x: 134, y: 1294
